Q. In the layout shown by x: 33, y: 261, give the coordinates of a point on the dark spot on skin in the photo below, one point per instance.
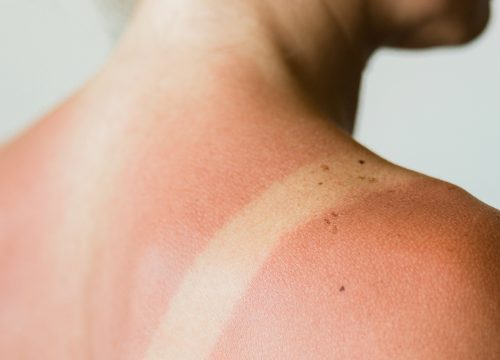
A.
x: 325, y: 167
x: 370, y: 179
x: 362, y: 162
x: 320, y: 183
x: 452, y: 187
x: 342, y: 289
x: 330, y: 222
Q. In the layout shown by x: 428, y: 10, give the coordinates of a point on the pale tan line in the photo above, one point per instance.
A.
x: 221, y: 274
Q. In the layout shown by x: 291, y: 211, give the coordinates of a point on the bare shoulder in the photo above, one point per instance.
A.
x: 435, y: 208
x: 444, y: 214
x: 409, y: 271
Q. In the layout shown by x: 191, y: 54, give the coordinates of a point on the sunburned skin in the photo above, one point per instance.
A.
x: 221, y: 273
x: 379, y: 278
x: 161, y: 266
x: 125, y: 237
x: 197, y: 199
x: 230, y: 163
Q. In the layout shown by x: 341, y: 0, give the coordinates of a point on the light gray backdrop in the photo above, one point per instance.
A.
x: 436, y: 112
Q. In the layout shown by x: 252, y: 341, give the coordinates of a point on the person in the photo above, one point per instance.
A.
x: 202, y: 197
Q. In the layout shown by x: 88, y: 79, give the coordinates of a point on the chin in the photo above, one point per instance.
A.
x: 448, y: 29
x: 469, y: 27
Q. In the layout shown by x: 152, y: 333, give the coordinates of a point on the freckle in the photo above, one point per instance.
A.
x: 372, y: 179
x: 362, y: 162
x: 320, y: 183
x: 361, y: 177
x: 325, y: 167
x: 328, y: 221
x: 451, y: 187
x: 334, y: 214
x: 342, y: 288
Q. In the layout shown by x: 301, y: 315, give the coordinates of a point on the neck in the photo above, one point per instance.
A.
x: 310, y: 53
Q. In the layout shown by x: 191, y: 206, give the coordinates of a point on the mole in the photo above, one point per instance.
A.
x: 342, y: 288
x: 362, y: 162
x: 320, y: 183
x: 325, y: 167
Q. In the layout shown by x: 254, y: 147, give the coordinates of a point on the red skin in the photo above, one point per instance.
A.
x: 99, y: 224
x: 176, y: 223
x: 381, y: 278
x: 149, y: 227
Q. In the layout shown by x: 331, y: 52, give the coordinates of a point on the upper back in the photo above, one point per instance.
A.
x: 294, y: 229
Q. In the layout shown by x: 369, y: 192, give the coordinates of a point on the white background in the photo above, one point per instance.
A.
x: 435, y: 112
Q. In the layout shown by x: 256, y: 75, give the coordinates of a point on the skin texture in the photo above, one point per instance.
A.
x: 404, y: 294
x: 207, y: 202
